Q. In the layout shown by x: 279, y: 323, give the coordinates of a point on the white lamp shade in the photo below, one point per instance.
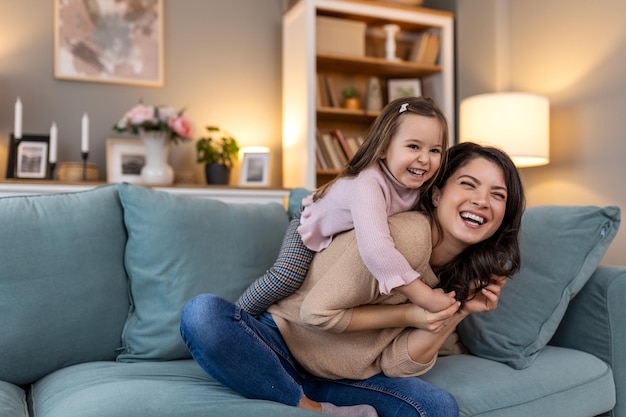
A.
x: 517, y: 123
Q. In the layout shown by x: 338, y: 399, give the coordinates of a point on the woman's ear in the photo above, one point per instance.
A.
x: 436, y: 194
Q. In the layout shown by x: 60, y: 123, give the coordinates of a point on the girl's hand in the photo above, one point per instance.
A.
x: 433, y: 322
x: 487, y: 298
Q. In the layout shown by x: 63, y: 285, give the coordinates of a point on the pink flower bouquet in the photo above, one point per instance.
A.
x: 160, y: 118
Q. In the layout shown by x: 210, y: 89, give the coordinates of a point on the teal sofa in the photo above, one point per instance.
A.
x: 92, y: 285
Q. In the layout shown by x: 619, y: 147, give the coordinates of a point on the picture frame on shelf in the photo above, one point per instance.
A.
x: 255, y: 167
x: 109, y: 46
x: 124, y: 159
x: 403, y: 87
x: 28, y: 157
x: 32, y: 158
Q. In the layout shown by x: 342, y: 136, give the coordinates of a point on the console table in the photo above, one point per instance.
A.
x: 223, y: 193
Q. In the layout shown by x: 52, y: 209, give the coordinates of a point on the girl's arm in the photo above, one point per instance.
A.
x: 424, y: 345
x: 371, y: 317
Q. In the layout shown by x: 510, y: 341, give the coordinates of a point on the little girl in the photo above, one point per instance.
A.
x: 400, y: 157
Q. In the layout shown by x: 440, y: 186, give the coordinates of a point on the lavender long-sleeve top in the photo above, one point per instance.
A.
x: 363, y: 203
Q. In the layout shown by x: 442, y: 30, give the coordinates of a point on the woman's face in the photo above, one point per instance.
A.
x: 471, y: 205
x: 414, y: 153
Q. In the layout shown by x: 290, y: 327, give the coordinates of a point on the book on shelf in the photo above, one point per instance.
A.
x: 343, y: 158
x: 320, y: 159
x: 330, y: 151
x: 333, y: 100
x: 344, y: 144
x: 322, y: 93
x: 425, y: 48
x: 432, y: 53
x: 353, y: 143
x: 320, y: 149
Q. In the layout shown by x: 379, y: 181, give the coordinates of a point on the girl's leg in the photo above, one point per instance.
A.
x: 392, y: 397
x: 240, y: 351
x: 284, y: 277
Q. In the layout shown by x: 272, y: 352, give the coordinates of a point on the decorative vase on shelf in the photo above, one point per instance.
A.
x: 156, y: 170
x: 217, y: 174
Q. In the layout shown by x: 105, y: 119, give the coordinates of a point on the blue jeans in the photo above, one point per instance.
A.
x: 249, y: 356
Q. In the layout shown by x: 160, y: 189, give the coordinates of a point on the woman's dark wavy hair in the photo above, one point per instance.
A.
x: 498, y: 255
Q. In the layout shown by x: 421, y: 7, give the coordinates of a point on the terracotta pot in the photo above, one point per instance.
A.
x: 352, y: 103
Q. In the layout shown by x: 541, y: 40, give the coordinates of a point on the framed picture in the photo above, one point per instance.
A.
x: 255, y: 168
x: 28, y: 157
x: 403, y: 87
x: 125, y: 158
x: 113, y: 42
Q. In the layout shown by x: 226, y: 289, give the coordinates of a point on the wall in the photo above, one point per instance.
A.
x: 574, y: 52
x: 222, y: 62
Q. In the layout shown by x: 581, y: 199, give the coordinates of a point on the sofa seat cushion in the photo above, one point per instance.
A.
x: 63, y: 285
x: 12, y: 401
x: 560, y: 382
x: 179, y: 247
x: 145, y: 389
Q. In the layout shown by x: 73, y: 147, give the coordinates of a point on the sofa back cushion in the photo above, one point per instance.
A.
x: 179, y: 247
x: 63, y: 286
x: 560, y: 247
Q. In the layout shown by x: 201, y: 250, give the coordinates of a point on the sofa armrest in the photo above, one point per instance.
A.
x: 594, y: 323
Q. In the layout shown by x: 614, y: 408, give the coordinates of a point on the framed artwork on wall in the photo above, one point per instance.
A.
x: 28, y: 157
x: 125, y: 158
x: 255, y: 168
x: 403, y: 87
x: 113, y: 42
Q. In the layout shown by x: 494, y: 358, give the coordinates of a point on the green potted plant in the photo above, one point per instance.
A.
x: 351, y: 99
x: 218, y: 151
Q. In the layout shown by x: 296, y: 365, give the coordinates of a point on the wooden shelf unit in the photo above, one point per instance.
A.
x: 303, y: 116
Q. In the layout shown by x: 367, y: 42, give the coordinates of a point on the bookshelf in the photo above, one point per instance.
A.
x: 305, y: 114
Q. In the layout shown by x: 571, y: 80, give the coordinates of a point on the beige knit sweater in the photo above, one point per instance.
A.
x: 312, y: 320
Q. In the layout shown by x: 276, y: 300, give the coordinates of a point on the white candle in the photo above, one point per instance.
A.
x: 53, y: 144
x: 84, y: 138
x: 17, y: 127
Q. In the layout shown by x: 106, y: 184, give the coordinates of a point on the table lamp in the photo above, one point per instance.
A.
x: 517, y: 123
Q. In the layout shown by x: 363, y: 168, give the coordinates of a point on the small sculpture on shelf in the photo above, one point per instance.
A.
x: 218, y: 151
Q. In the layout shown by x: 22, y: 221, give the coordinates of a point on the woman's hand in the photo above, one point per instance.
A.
x: 433, y: 322
x: 487, y: 298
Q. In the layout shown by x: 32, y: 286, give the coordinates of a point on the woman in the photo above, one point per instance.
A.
x: 474, y: 209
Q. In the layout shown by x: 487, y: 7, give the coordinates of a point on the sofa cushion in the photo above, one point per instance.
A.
x: 560, y: 383
x: 295, y: 200
x: 12, y: 401
x: 146, y: 389
x: 63, y: 286
x: 560, y: 247
x: 179, y: 247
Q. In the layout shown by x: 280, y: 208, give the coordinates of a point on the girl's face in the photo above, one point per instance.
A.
x: 471, y: 205
x: 414, y: 152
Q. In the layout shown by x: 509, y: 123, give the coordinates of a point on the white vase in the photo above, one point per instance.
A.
x: 156, y: 170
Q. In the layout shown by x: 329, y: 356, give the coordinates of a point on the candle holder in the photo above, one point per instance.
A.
x: 85, y: 156
x: 52, y: 166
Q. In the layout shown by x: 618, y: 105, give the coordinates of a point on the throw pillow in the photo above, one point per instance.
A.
x: 63, y: 286
x: 560, y: 246
x: 179, y: 247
